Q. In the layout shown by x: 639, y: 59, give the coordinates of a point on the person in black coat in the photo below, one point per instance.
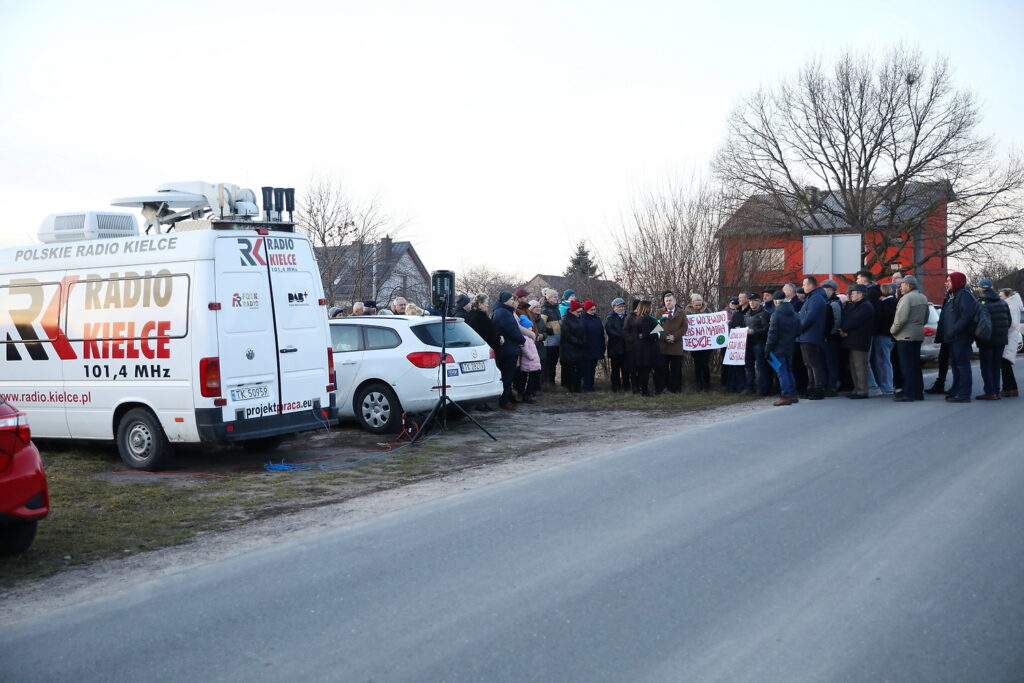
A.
x: 646, y: 350
x: 629, y: 342
x: 461, y: 308
x: 783, y: 329
x: 552, y: 343
x: 858, y: 324
x: 756, y: 373
x: 990, y: 351
x: 613, y: 328
x: 956, y: 324
x: 507, y: 326
x: 593, y: 343
x: 572, y: 343
x: 478, y: 319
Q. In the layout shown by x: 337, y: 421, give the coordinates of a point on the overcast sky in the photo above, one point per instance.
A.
x: 502, y: 134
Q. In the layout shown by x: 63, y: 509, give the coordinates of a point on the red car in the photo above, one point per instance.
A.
x: 24, y: 498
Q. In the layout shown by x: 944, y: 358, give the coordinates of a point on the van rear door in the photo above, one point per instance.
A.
x: 246, y: 337
x: 303, y: 339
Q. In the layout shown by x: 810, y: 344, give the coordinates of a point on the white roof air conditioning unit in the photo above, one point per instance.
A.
x: 87, y: 225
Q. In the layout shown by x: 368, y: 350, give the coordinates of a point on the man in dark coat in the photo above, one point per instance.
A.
x: 511, y: 347
x: 572, y: 347
x: 593, y: 343
x: 858, y: 324
x: 990, y: 351
x: 781, y: 342
x: 553, y: 320
x: 461, y: 307
x: 812, y: 337
x: 957, y: 322
x: 673, y: 323
x: 757, y: 377
x: 613, y: 327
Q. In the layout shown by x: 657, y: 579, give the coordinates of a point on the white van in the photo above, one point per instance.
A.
x: 206, y: 335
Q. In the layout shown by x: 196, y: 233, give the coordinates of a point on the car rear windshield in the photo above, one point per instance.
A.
x: 457, y: 334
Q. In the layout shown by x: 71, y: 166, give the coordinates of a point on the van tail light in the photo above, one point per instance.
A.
x: 331, y: 377
x: 929, y: 331
x: 209, y: 377
x: 428, y: 359
x: 16, y: 424
x: 492, y: 356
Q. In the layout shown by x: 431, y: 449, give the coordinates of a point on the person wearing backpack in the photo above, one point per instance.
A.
x: 958, y: 330
x: 990, y: 350
x: 833, y: 342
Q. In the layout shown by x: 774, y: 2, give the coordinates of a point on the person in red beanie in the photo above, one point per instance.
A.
x: 593, y: 343
x: 957, y: 323
x: 522, y: 296
x: 572, y: 347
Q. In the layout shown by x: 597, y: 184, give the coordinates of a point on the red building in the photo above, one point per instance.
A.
x: 762, y: 247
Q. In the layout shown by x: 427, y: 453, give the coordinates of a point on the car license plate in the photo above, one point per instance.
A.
x: 473, y: 366
x: 249, y: 393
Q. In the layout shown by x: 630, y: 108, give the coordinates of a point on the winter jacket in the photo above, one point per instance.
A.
x: 675, y: 326
x: 563, y: 308
x: 1013, y: 338
x: 593, y: 337
x: 572, y: 338
x: 833, y: 317
x: 647, y: 353
x: 757, y: 323
x: 613, y: 327
x: 782, y: 331
x: 999, y: 312
x: 812, y: 318
x: 957, y: 318
x: 483, y: 326
x: 460, y: 313
x: 530, y: 360
x: 858, y: 324
x: 911, y: 317
x: 885, y: 312
x: 554, y: 323
x: 738, y: 318
x: 507, y: 325
x: 629, y: 337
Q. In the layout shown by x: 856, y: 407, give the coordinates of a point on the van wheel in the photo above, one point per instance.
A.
x: 17, y: 537
x: 378, y: 409
x: 141, y: 441
x: 267, y: 443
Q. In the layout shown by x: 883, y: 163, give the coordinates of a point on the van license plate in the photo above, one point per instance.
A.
x: 473, y: 366
x: 249, y: 393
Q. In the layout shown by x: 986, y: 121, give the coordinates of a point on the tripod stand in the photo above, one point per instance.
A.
x: 439, y: 413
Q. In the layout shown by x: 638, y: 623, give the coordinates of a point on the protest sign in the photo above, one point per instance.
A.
x: 706, y: 331
x: 736, y: 352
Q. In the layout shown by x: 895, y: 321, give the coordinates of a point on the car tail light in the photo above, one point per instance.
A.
x: 16, y: 424
x: 492, y: 356
x: 929, y: 331
x: 331, y: 377
x: 428, y: 359
x: 209, y: 377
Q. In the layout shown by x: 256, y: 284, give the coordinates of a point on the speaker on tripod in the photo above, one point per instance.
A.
x: 442, y: 291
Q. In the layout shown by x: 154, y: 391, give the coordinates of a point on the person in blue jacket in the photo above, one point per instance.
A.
x: 512, y: 340
x: 782, y: 333
x: 957, y: 322
x: 812, y: 337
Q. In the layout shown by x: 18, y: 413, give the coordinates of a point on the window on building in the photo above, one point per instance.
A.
x: 763, y: 260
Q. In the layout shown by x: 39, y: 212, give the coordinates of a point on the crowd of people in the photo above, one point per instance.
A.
x: 809, y: 342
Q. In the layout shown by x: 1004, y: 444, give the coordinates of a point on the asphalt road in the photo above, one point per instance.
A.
x: 832, y: 540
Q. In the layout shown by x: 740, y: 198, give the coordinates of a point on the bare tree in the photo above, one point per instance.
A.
x: 480, y: 279
x: 888, y: 141
x: 345, y: 237
x: 669, y: 242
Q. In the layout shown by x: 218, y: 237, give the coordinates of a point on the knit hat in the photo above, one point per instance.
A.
x: 779, y: 295
x: 857, y: 288
x: 587, y: 305
x: 461, y: 301
x: 831, y: 284
x: 958, y: 280
x: 696, y: 297
x: 575, y: 306
x: 618, y: 301
x: 521, y: 293
x: 567, y: 293
x: 504, y: 296
x: 525, y: 322
x: 911, y: 281
x: 534, y: 303
x: 984, y: 283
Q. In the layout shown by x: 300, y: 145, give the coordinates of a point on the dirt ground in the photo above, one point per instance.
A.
x: 109, y: 524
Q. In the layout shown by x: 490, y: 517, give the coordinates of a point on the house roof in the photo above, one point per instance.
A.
x: 762, y: 214
x: 348, y: 256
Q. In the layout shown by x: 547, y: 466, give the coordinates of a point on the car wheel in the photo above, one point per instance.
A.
x: 17, y: 537
x: 267, y: 443
x: 141, y: 441
x: 378, y: 409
